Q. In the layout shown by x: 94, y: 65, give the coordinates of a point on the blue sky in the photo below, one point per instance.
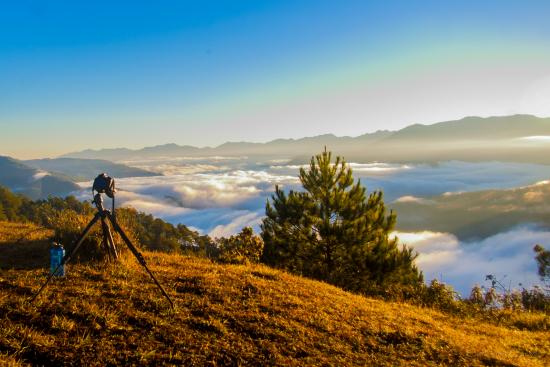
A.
x: 107, y: 74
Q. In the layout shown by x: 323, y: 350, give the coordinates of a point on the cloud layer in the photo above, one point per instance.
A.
x: 222, y: 192
x: 220, y: 196
x: 218, y: 202
x: 429, y: 180
x: 509, y: 256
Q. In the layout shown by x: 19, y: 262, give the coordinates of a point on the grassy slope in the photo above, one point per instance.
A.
x: 229, y: 315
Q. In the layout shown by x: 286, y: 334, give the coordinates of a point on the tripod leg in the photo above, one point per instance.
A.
x: 108, y: 240
x: 138, y: 256
x: 69, y: 255
x: 105, y: 242
x: 111, y: 242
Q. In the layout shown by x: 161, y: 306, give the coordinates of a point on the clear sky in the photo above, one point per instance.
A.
x: 98, y: 74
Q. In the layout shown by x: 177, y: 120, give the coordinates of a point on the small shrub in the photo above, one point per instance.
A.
x: 511, y: 300
x: 436, y: 295
x: 440, y: 295
x: 242, y: 248
x: 69, y: 225
x: 535, y: 299
x: 491, y: 298
x: 477, y: 297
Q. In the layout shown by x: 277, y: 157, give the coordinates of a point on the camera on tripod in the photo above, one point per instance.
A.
x: 103, y: 184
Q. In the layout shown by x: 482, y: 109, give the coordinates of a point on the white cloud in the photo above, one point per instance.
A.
x: 40, y: 174
x: 233, y: 189
x: 536, y: 184
x: 451, y: 193
x: 537, y: 138
x: 508, y: 256
x: 247, y: 219
x: 377, y: 167
x: 412, y: 199
x: 148, y: 204
x: 204, y: 199
x: 217, y: 202
x: 424, y: 180
x: 289, y: 167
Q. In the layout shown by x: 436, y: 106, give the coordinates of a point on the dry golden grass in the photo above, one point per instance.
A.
x: 23, y: 245
x: 236, y: 315
x: 22, y: 232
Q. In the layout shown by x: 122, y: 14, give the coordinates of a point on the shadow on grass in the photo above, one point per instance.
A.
x: 24, y: 255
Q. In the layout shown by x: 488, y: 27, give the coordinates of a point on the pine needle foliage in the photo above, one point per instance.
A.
x: 334, y: 232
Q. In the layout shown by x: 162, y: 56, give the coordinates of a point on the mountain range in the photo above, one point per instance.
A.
x: 517, y: 138
x: 86, y: 169
x: 32, y: 182
x: 504, y: 138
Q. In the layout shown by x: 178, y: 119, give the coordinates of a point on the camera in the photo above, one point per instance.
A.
x: 104, y: 184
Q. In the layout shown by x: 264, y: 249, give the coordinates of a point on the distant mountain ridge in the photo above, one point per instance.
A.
x: 274, y: 147
x: 86, y: 169
x: 32, y: 182
x: 476, y: 128
x: 493, y: 138
x: 40, y: 178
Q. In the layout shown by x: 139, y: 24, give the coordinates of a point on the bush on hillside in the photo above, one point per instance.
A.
x: 68, y: 226
x: 9, y: 205
x: 497, y: 297
x: 243, y: 248
x: 535, y: 299
x: 440, y: 295
x: 68, y: 216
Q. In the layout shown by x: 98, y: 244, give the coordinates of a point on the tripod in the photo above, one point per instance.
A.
x: 105, y: 215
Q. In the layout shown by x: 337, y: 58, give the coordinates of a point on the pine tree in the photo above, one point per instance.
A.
x: 332, y: 231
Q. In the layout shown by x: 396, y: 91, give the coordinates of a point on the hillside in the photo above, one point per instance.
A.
x: 230, y: 315
x: 32, y: 182
x: 478, y: 214
x: 87, y: 169
x: 40, y: 178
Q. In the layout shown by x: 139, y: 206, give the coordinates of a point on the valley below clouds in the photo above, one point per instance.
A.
x: 220, y: 195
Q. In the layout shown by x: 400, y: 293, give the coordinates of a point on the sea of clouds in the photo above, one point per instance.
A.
x: 218, y: 196
x: 509, y: 256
